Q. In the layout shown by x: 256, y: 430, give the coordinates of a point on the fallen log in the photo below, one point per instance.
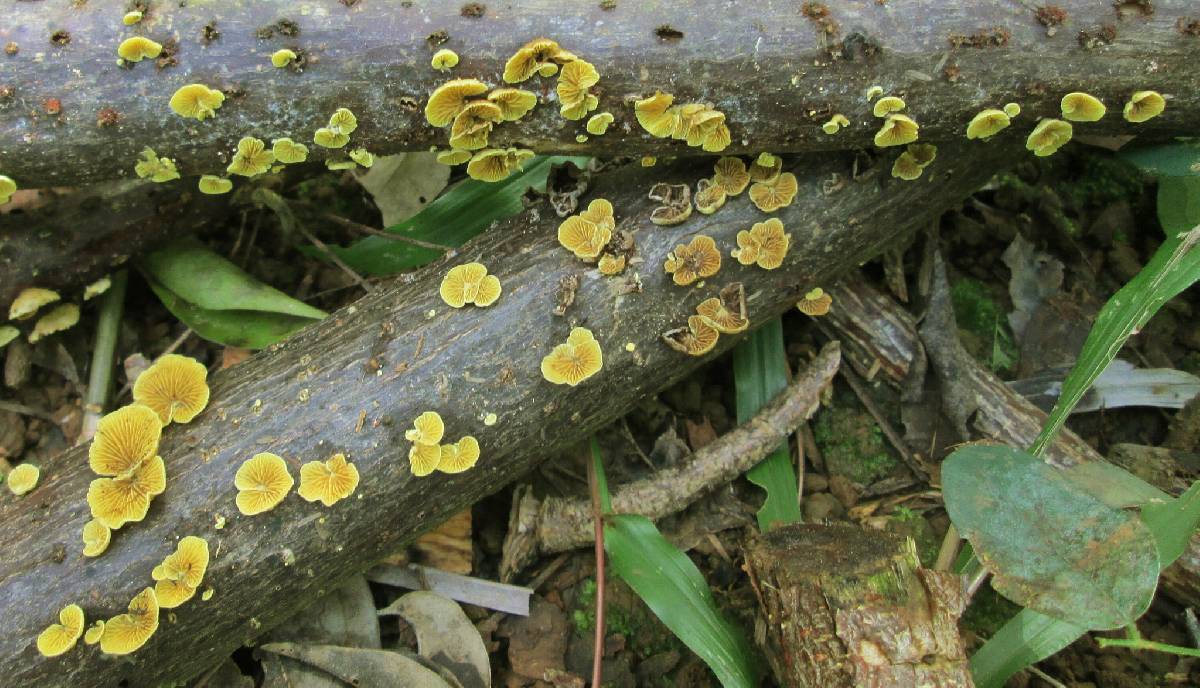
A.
x: 354, y: 382
x: 69, y: 113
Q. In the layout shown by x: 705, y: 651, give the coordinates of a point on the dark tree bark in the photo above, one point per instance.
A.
x: 354, y: 382
x: 777, y: 71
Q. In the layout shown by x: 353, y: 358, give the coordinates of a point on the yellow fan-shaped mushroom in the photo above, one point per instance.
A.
x: 1048, y: 136
x: 175, y: 387
x: 214, y: 185
x: 1142, y: 105
x: 96, y: 537
x: 726, y: 313
x: 288, y: 151
x: 126, y: 499
x: 731, y: 175
x: 584, y: 238
x: 887, y: 105
x: 29, y: 301
x: 423, y: 459
x: 127, y: 632
x: 444, y: 60
x: 598, y: 123
x: 427, y: 429
x: 23, y: 478
x: 697, y: 339
x: 196, y: 100
x: 815, y: 303
x: 574, y: 80
x: 773, y: 195
x: 448, y: 100
x: 541, y: 55
x: 188, y: 563
x: 283, y: 57
x: 460, y: 456
x: 94, y: 632
x: 469, y: 284
x: 328, y: 481
x: 574, y: 361
x: 1082, y: 107
x: 694, y: 260
x: 454, y: 157
x: 138, y: 48
x: 473, y: 124
x: 513, y: 102
x: 494, y: 164
x: 343, y: 121
x: 156, y: 169
x: 765, y: 244
x: 897, y: 131
x: 124, y: 440
x: 611, y: 265
x: 262, y: 483
x: 710, y: 196
x: 62, y: 636
x: 328, y: 138
x: 655, y: 114
x: 987, y: 124
x: 252, y: 158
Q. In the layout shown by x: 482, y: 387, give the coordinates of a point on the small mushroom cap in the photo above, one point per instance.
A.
x: 454, y: 157
x: 874, y: 92
x: 887, y: 105
x: 444, y: 60
x: 1048, y: 136
x: 282, y: 57
x: 343, y: 121
x: 574, y: 80
x: 469, y: 283
x: 29, y: 301
x: 328, y: 481
x: 1082, y: 107
x: 172, y: 593
x: 698, y: 258
x: 771, y: 196
x: 131, y: 18
x: 840, y: 120
x: 987, y: 124
x: 7, y: 188
x: 23, y: 478
x: 138, y: 48
x: 288, y: 151
x: 188, y: 563
x: 535, y: 57
x: 610, y: 264
x: 196, y: 100
x: 584, y: 238
x: 124, y: 440
x: 923, y: 153
x: 716, y: 316
x: 906, y: 167
x: 897, y: 131
x: 766, y: 168
x: 328, y: 138
x: 154, y: 168
x: 427, y: 429
x: 175, y: 387
x: 460, y: 456
x: 97, y: 288
x: 831, y: 127
x: 1012, y: 109
x: 600, y: 211
x: 62, y: 636
x: 117, y: 501
x: 423, y: 459
x: 770, y: 241
x: 494, y: 164
x: 127, y: 632
x: 574, y: 361
x: 815, y: 303
x: 96, y: 537
x: 363, y: 157
x: 473, y: 124
x: 598, y: 123
x: 718, y: 139
x: 655, y: 114
x: 513, y: 102
x: 92, y: 635
x: 710, y: 196
x: 262, y: 482
x: 448, y: 100
x: 731, y: 175
x: 649, y: 161
x: 252, y: 158
x: 1142, y: 105
x: 697, y: 339
x: 214, y: 185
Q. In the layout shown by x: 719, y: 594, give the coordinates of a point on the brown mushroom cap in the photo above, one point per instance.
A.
x: 697, y: 339
x: 731, y: 174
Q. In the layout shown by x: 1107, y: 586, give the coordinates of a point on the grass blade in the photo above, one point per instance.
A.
x: 1027, y: 638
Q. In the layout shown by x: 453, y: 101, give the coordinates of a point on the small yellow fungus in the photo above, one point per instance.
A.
x: 831, y: 127
x: 444, y: 60
x: 362, y: 156
x: 766, y: 168
x: 423, y: 459
x: 598, y: 123
x: 922, y: 153
x: 600, y: 212
x: 726, y: 313
x: 127, y: 632
x: 196, y: 100
x: 97, y: 288
x: 676, y: 202
x: 138, y: 48
x: 328, y: 481
x: 1048, y: 136
x: 731, y: 175
x: 131, y: 18
x: 697, y: 339
x: 587, y: 233
x: 887, y: 105
x: 581, y: 138
x: 710, y: 196
x: 62, y: 317
x: 96, y: 537
x: 214, y: 185
x: 649, y: 161
x: 630, y: 347
x: 23, y: 478
x: 473, y: 125
x: 574, y: 80
x: 7, y: 188
x: 7, y: 334
x: 427, y: 429
x: 94, y: 632
x: 694, y: 260
x: 328, y: 138
x: 513, y: 102
x: 765, y: 244
x: 454, y: 157
x: 262, y: 483
x: 815, y: 303
x: 124, y: 440
x: 172, y: 593
x: 771, y: 196
x: 874, y: 92
x: 340, y: 164
x: 840, y: 119
x: 288, y: 151
x: 1142, y: 105
x: 207, y: 594
x: 126, y: 498
x: 897, y: 131
x: 655, y: 114
x: 700, y: 125
x: 175, y: 387
x: 252, y: 158
x: 574, y: 361
x: 1081, y: 107
x: 906, y: 167
x: 494, y: 164
x: 1012, y: 109
x: 283, y: 57
x: 987, y: 124
x: 469, y: 284
x: 29, y: 301
x: 541, y: 55
x: 610, y: 265
x: 188, y: 563
x: 343, y: 121
x: 62, y: 636
x: 460, y: 456
x: 490, y: 419
x: 448, y: 100
x: 154, y: 168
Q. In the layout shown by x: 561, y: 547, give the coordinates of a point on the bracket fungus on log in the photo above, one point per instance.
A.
x: 262, y: 482
x: 328, y: 481
x: 174, y: 387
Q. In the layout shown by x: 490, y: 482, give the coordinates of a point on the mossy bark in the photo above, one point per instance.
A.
x: 353, y: 382
x: 844, y: 607
x: 776, y: 71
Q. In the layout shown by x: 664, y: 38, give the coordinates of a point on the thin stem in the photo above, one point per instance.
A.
x: 277, y: 203
x: 598, y: 526
x: 976, y: 581
x: 384, y: 234
x: 949, y: 550
x: 108, y: 327
x: 1142, y: 644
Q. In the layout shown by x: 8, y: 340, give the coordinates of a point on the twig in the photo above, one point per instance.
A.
x: 1134, y: 641
x: 890, y: 432
x: 276, y: 203
x: 949, y: 549
x: 384, y: 234
x: 1045, y: 677
x: 977, y: 581
x: 598, y: 534
x: 26, y: 411
x: 633, y: 442
x: 108, y: 326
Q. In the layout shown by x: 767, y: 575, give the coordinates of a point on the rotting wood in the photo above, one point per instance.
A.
x: 392, y: 355
x: 374, y: 58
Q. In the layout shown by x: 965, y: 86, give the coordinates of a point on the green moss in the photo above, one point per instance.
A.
x: 853, y: 444
x: 1101, y: 179
x: 983, y: 320
x: 911, y: 524
x: 624, y: 613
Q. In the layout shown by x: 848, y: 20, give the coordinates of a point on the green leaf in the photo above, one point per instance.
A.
x: 1178, y: 204
x: 1180, y: 159
x: 1050, y: 545
x: 1173, y: 523
x: 1027, y: 638
x: 457, y: 216
x: 246, y: 329
x: 759, y: 373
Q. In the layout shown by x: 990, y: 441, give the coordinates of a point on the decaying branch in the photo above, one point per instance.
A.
x: 70, y: 113
x: 354, y: 382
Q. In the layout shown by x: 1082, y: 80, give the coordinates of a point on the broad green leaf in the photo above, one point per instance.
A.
x: 759, y: 373
x: 676, y: 592
x: 1173, y: 523
x: 247, y: 329
x: 1050, y: 545
x: 205, y: 279
x: 1180, y: 159
x: 1178, y: 204
x: 1026, y: 639
x: 456, y: 217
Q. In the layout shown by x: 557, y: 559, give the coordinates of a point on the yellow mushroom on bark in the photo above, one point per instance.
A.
x: 262, y: 483
x: 175, y: 387
x: 62, y: 636
x: 574, y: 361
x: 127, y: 632
x: 328, y: 481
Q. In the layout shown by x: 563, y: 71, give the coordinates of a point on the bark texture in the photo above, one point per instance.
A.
x: 354, y: 382
x: 843, y: 607
x: 806, y: 62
